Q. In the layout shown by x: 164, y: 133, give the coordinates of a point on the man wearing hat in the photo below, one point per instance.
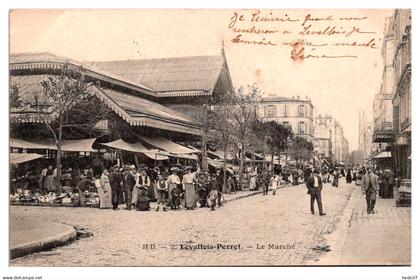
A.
x: 115, y: 180
x: 314, y: 185
x: 161, y: 190
x: 370, y: 188
x: 129, y: 183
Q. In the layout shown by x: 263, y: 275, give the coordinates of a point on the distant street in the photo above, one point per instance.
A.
x: 244, y: 230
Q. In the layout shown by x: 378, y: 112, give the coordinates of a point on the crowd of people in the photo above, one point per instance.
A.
x: 176, y: 187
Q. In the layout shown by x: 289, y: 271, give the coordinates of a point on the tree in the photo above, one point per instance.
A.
x: 244, y: 115
x: 66, y: 105
x: 259, y: 138
x: 224, y: 126
x: 301, y: 148
x: 14, y: 96
x: 278, y: 138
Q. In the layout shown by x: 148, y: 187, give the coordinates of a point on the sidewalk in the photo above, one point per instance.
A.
x: 28, y: 236
x: 383, y: 238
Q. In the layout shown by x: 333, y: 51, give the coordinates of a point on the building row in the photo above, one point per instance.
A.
x: 391, y: 135
x: 325, y: 132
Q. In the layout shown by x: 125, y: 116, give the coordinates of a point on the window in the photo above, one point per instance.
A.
x: 286, y: 123
x: 301, y: 110
x: 285, y: 110
x: 301, y: 128
x: 270, y: 111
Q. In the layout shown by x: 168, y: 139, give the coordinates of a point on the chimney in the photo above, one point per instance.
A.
x: 298, y: 97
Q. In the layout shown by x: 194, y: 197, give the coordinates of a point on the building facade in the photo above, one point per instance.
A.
x: 382, y: 105
x: 401, y: 101
x: 365, y: 135
x: 329, y: 138
x: 294, y: 112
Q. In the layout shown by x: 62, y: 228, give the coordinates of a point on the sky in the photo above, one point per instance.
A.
x: 339, y: 87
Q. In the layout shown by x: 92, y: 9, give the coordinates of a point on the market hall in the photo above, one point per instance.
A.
x: 152, y: 122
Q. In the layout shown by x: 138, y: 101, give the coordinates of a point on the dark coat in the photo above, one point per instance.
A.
x: 115, y: 180
x: 310, y: 184
x: 84, y: 184
x: 129, y: 181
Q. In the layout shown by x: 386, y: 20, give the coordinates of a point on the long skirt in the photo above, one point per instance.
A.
x: 105, y: 197
x: 170, y: 188
x: 49, y: 184
x: 190, y: 196
x: 253, y: 183
x: 134, y: 195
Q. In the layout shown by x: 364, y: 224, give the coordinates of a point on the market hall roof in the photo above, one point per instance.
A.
x: 174, y: 76
x: 48, y: 61
x: 134, y: 110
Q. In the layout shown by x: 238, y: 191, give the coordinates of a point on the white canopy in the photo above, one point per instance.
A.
x: 82, y: 145
x: 137, y: 148
x: 167, y: 145
x: 383, y: 154
x: 16, y: 158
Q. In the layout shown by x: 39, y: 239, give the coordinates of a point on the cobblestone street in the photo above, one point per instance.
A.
x: 120, y: 237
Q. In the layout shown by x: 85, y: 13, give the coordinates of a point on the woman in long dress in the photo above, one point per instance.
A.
x: 253, y: 179
x: 348, y: 176
x: 190, y: 195
x: 49, y: 184
x: 172, y: 182
x: 104, y: 191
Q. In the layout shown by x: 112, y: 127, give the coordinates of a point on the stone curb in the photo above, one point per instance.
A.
x: 65, y: 237
x: 337, y: 239
x: 243, y: 196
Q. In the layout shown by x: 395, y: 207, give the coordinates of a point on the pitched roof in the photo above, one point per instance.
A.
x: 47, y: 60
x: 135, y: 110
x: 166, y: 75
x: 37, y: 57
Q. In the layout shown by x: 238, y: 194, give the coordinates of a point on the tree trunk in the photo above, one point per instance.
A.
x: 204, y: 164
x: 58, y: 159
x: 272, y: 160
x: 241, y: 165
x: 224, y: 168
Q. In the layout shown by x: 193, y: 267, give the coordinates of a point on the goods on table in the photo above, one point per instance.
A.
x: 66, y: 198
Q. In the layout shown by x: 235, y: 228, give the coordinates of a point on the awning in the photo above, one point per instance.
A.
x: 197, y: 151
x: 82, y: 145
x: 137, y: 148
x: 22, y: 144
x: 16, y: 158
x: 167, y: 145
x: 219, y: 154
x: 215, y: 163
x: 383, y: 154
x: 130, y: 147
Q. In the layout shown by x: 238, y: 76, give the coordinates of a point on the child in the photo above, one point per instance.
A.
x: 213, y: 196
x: 143, y: 200
x: 176, y: 198
x: 275, y: 181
